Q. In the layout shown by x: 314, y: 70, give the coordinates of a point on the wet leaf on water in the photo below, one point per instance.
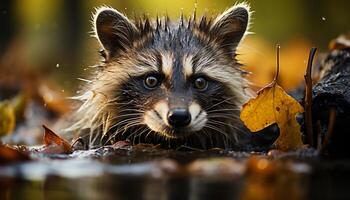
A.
x: 7, y: 118
x: 54, y: 144
x: 10, y: 155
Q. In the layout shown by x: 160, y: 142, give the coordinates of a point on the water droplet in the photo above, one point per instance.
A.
x: 57, y: 65
x: 323, y: 18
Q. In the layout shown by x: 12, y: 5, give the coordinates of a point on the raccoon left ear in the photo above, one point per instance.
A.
x: 114, y: 31
x: 231, y: 26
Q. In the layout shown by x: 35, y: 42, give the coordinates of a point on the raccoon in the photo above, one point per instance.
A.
x: 165, y: 82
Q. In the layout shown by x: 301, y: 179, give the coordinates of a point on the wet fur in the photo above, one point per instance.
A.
x: 114, y: 100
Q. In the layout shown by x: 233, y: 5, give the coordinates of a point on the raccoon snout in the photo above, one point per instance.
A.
x: 179, y: 117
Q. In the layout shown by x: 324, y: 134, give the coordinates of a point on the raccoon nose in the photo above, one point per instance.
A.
x: 179, y: 117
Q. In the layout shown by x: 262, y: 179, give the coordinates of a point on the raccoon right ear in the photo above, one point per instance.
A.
x: 231, y: 26
x: 114, y: 31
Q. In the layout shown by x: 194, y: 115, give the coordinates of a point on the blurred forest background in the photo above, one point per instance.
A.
x: 51, y: 39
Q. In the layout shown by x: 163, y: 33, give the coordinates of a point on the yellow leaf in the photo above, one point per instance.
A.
x: 274, y: 105
x: 7, y: 118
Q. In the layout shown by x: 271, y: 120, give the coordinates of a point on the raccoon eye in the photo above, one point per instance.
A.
x: 151, y: 82
x: 200, y: 83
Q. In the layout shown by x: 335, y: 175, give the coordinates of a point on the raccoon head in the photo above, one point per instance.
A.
x: 170, y: 79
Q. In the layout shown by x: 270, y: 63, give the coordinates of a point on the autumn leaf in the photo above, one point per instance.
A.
x: 274, y: 105
x: 7, y: 118
x: 54, y: 143
x: 11, y: 155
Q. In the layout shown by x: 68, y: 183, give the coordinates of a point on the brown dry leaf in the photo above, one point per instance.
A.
x: 11, y: 155
x: 7, y: 118
x: 274, y: 105
x: 54, y: 143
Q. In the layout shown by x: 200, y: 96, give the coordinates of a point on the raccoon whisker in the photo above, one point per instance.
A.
x: 115, y: 99
x: 202, y: 139
x: 134, y: 134
x: 149, y: 132
x: 125, y: 115
x: 124, y: 106
x: 225, y: 109
x: 129, y: 125
x: 237, y: 130
x: 222, y: 116
x: 223, y: 104
x: 225, y: 124
x: 223, y: 101
x: 220, y: 122
x: 224, y: 113
x: 116, y: 117
x: 226, y: 102
x: 93, y: 139
x: 143, y: 131
x: 130, y: 109
x: 213, y: 127
x: 123, y: 122
x: 122, y: 129
x: 116, y: 104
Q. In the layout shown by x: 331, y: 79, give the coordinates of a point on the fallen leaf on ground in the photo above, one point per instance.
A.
x: 11, y: 155
x: 274, y: 105
x: 7, y: 118
x: 54, y: 144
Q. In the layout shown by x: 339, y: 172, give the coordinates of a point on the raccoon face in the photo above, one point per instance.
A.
x: 171, y: 79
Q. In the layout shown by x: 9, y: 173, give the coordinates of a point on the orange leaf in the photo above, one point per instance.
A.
x: 11, y: 155
x: 52, y: 139
x: 274, y: 105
